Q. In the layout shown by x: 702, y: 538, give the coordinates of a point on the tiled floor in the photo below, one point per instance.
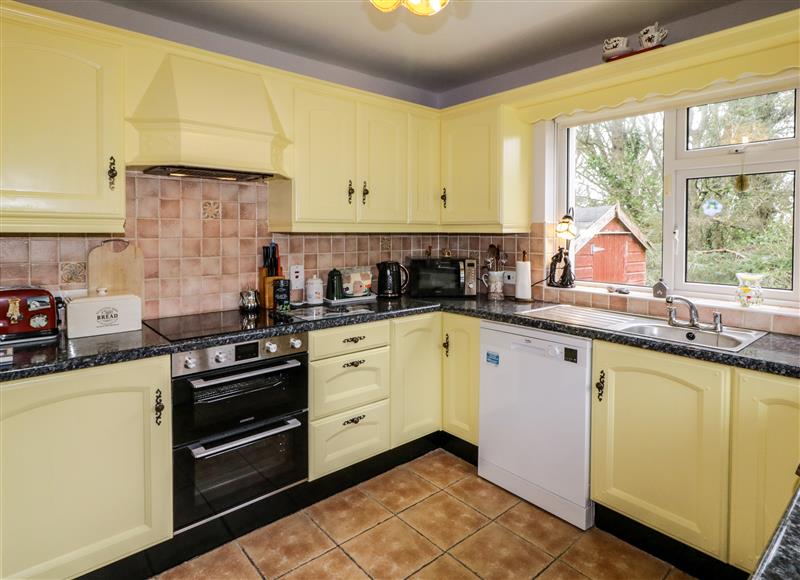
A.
x: 432, y: 518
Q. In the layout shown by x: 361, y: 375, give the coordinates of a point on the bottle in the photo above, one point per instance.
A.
x: 660, y: 289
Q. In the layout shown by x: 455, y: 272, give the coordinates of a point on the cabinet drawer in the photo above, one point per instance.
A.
x: 338, y: 441
x: 343, y: 382
x: 345, y: 339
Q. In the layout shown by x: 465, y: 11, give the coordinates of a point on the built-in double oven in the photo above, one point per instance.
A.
x: 240, y: 426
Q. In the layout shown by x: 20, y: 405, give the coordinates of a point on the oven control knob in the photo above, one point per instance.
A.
x: 220, y: 357
x: 271, y: 347
x: 295, y: 342
x: 189, y: 362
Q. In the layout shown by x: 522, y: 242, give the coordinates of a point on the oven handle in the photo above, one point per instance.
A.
x: 201, y: 452
x: 201, y: 383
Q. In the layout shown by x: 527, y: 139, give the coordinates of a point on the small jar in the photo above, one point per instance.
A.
x: 749, y: 292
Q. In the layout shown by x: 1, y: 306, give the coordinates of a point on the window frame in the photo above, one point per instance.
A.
x: 681, y: 163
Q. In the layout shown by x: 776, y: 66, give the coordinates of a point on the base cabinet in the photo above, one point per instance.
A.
x: 86, y: 468
x: 416, y: 377
x: 765, y: 452
x: 660, y: 442
x: 461, y: 376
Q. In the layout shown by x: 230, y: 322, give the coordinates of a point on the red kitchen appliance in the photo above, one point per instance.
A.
x: 27, y: 314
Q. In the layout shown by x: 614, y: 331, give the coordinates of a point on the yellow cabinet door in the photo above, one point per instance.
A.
x: 61, y: 125
x: 461, y: 375
x: 416, y: 377
x: 765, y: 452
x: 424, y: 169
x: 660, y: 442
x: 382, y: 165
x: 325, y: 185
x: 347, y: 339
x: 469, y: 168
x: 347, y: 438
x: 86, y: 469
x: 343, y: 382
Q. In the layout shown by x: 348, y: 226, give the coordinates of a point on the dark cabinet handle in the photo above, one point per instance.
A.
x: 354, y: 339
x: 112, y: 172
x: 159, y: 408
x: 797, y: 471
x: 364, y: 194
x: 446, y: 345
x: 443, y: 197
x: 601, y: 385
x: 354, y: 420
x: 350, y: 191
x: 354, y: 363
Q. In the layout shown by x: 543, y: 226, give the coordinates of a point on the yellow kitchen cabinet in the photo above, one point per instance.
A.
x: 382, y: 164
x: 347, y: 438
x: 485, y: 170
x: 424, y: 169
x: 61, y: 126
x: 660, y: 442
x: 344, y: 382
x: 86, y: 468
x: 765, y: 452
x: 416, y: 377
x: 347, y: 339
x: 325, y: 185
x: 461, y: 376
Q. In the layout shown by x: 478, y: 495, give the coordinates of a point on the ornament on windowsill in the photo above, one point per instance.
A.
x: 650, y: 37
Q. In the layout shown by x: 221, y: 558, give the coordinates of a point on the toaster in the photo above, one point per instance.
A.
x: 27, y: 314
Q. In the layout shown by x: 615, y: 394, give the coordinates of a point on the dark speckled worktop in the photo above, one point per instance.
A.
x: 774, y: 353
x: 781, y: 559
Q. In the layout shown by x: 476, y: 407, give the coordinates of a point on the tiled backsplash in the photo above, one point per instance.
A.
x: 201, y: 240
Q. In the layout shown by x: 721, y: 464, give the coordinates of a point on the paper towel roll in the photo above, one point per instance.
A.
x: 523, y: 288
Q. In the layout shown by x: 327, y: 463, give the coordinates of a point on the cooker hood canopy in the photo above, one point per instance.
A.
x: 203, y: 119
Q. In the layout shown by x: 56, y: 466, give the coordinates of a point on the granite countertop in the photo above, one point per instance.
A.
x: 781, y: 559
x: 774, y: 353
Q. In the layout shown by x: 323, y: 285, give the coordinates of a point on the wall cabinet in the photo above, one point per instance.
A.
x: 424, y: 169
x: 61, y: 127
x: 660, y: 442
x: 416, y: 377
x: 461, y: 376
x: 765, y: 452
x: 86, y: 468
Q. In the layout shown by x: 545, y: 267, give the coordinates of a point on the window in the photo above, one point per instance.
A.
x: 693, y: 195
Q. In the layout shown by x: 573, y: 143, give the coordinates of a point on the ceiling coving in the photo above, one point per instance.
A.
x: 418, y: 7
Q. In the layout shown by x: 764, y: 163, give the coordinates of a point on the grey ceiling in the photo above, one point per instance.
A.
x: 468, y: 41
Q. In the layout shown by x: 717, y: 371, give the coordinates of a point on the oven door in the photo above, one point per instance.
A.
x: 215, y: 476
x: 437, y: 278
x: 214, y: 402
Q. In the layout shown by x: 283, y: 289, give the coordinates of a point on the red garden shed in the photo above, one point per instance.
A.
x: 610, y: 247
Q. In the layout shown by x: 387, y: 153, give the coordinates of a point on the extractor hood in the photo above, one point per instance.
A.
x: 203, y: 119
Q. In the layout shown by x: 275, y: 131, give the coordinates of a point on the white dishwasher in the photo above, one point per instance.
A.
x: 534, y: 418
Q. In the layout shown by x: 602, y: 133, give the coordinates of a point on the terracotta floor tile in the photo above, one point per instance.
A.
x: 537, y: 526
x: 226, y: 562
x: 444, y: 520
x: 398, y: 489
x: 441, y: 467
x: 334, y: 564
x: 485, y: 497
x: 347, y: 514
x: 285, y: 545
x: 494, y: 552
x: 444, y: 568
x: 601, y: 556
x: 676, y: 574
x: 560, y: 571
x: 391, y: 550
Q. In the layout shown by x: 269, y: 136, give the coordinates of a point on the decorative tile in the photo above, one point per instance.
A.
x: 212, y: 210
x: 601, y: 556
x: 73, y: 273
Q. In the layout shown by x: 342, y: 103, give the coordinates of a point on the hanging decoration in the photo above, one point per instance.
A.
x: 418, y: 7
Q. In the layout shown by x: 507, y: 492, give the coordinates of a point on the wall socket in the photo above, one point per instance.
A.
x: 296, y: 277
x: 509, y: 277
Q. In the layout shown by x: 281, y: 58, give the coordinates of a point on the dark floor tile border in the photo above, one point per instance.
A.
x: 215, y: 533
x: 672, y: 551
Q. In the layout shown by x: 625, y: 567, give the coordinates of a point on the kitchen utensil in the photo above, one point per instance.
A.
x: 390, y: 284
x: 356, y: 282
x: 121, y: 272
x: 314, y: 290
x: 248, y: 300
x: 335, y: 286
x: 98, y: 315
x: 27, y: 314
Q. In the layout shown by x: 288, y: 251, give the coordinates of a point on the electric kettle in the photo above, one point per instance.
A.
x: 335, y: 286
x: 389, y: 279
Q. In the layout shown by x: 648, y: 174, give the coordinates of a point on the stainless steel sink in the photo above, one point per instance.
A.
x: 730, y: 339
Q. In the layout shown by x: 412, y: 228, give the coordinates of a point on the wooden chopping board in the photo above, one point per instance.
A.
x: 117, y: 265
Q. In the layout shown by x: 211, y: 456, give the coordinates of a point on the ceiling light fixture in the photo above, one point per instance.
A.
x: 418, y: 7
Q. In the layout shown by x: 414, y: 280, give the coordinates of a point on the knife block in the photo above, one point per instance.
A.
x: 265, y: 295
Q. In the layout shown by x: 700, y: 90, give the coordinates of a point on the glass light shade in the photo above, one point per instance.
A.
x: 566, y: 228
x: 385, y: 5
x: 425, y: 7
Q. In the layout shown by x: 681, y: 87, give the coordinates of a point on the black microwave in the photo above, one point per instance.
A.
x: 443, y: 277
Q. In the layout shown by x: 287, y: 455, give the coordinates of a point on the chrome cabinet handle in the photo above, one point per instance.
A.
x: 354, y: 363
x: 446, y: 345
x: 159, y: 407
x: 200, y: 383
x: 601, y: 385
x: 443, y: 197
x: 353, y: 339
x: 112, y: 172
x: 350, y: 191
x: 200, y: 452
x: 364, y: 194
x: 354, y: 420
